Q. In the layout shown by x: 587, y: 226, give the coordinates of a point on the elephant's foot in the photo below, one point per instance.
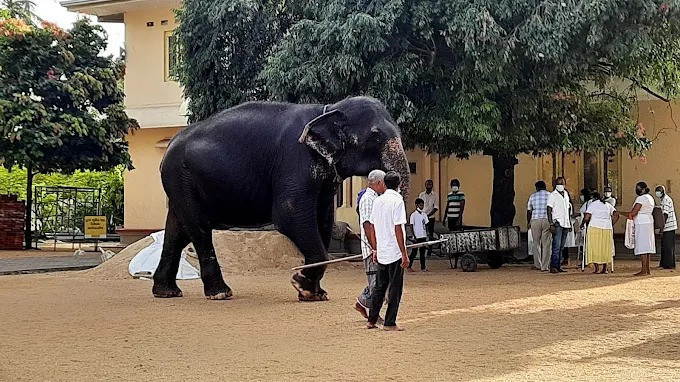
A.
x: 308, y: 290
x: 166, y: 291
x: 217, y: 290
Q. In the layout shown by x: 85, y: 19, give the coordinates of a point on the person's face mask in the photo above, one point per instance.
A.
x: 659, y: 194
x: 419, y: 209
x: 455, y: 188
x: 560, y: 187
x: 583, y: 199
x: 608, y: 194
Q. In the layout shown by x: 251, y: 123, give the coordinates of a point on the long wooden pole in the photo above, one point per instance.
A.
x: 357, y: 257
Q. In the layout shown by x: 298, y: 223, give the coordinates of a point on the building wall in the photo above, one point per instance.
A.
x: 150, y: 97
x: 145, y: 200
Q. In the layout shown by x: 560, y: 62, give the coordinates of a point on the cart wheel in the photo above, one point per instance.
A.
x: 494, y: 259
x: 468, y: 263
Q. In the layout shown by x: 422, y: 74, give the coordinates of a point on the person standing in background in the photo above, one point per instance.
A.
x: 539, y: 226
x: 668, y: 232
x: 418, y: 222
x: 608, y: 198
x: 455, y: 207
x: 645, y: 243
x: 559, y: 215
x: 431, y: 207
x: 599, y: 218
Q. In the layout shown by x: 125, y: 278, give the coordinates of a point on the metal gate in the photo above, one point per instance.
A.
x: 59, y: 212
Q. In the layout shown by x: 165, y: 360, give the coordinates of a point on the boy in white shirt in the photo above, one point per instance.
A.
x: 387, y: 238
x: 419, y: 220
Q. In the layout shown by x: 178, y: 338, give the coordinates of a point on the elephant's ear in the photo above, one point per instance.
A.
x: 324, y: 134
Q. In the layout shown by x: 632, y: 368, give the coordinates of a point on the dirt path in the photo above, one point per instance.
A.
x: 511, y: 324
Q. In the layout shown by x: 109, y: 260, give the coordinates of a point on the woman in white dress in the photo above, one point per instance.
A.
x: 645, y: 244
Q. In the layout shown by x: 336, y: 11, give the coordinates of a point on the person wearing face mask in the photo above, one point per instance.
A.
x: 668, y: 231
x: 559, y: 217
x: 419, y: 220
x: 608, y: 198
x: 455, y: 207
x: 645, y: 244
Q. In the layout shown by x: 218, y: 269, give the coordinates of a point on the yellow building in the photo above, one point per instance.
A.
x: 155, y: 100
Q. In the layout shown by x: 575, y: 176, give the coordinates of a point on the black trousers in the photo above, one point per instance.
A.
x: 390, y: 276
x: 668, y: 250
x: 454, y: 224
x: 414, y: 252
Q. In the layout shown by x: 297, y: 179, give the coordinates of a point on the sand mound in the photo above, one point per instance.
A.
x: 239, y: 252
x: 117, y: 266
x: 255, y: 251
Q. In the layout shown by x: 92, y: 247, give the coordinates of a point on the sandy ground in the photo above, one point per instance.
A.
x: 511, y: 324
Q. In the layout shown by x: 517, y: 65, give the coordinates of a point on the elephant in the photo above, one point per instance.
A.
x: 260, y: 163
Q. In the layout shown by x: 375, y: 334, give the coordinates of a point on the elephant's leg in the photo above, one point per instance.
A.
x: 325, y: 217
x: 302, y: 229
x: 164, y: 283
x: 214, y: 286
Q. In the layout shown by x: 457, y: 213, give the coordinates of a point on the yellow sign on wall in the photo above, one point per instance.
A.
x: 95, y: 227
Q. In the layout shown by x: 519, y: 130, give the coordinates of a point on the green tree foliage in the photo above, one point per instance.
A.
x: 223, y: 46
x: 20, y: 9
x: 495, y: 77
x: 61, y: 109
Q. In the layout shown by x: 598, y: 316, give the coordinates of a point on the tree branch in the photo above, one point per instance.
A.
x: 650, y: 91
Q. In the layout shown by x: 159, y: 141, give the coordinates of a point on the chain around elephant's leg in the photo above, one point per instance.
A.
x: 309, y: 286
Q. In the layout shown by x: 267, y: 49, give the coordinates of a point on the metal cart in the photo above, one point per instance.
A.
x: 480, y: 245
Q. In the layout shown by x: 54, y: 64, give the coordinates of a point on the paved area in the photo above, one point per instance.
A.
x: 48, y: 264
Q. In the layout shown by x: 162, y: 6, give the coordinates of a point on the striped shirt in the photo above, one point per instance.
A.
x: 365, y: 210
x: 453, y: 204
x: 668, y: 209
x: 538, y: 205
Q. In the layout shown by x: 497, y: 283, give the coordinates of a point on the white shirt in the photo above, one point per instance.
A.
x: 668, y: 209
x: 611, y: 201
x: 419, y: 222
x: 431, y: 202
x: 388, y: 212
x: 645, y: 214
x: 600, y: 214
x: 561, y: 208
x: 365, y: 209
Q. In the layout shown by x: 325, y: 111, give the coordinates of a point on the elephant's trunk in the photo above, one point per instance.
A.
x: 394, y: 159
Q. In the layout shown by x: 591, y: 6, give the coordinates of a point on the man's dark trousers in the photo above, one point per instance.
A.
x: 414, y: 252
x: 389, y: 276
x: 559, y: 239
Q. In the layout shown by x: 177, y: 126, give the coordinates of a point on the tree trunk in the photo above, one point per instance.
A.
x: 28, y: 237
x: 503, y: 195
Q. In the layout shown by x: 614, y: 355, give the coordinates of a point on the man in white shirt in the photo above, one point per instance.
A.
x: 388, y: 239
x: 431, y: 205
x: 376, y: 186
x: 559, y: 217
x: 670, y: 225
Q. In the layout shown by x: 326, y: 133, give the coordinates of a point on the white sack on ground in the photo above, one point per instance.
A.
x: 144, y: 264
